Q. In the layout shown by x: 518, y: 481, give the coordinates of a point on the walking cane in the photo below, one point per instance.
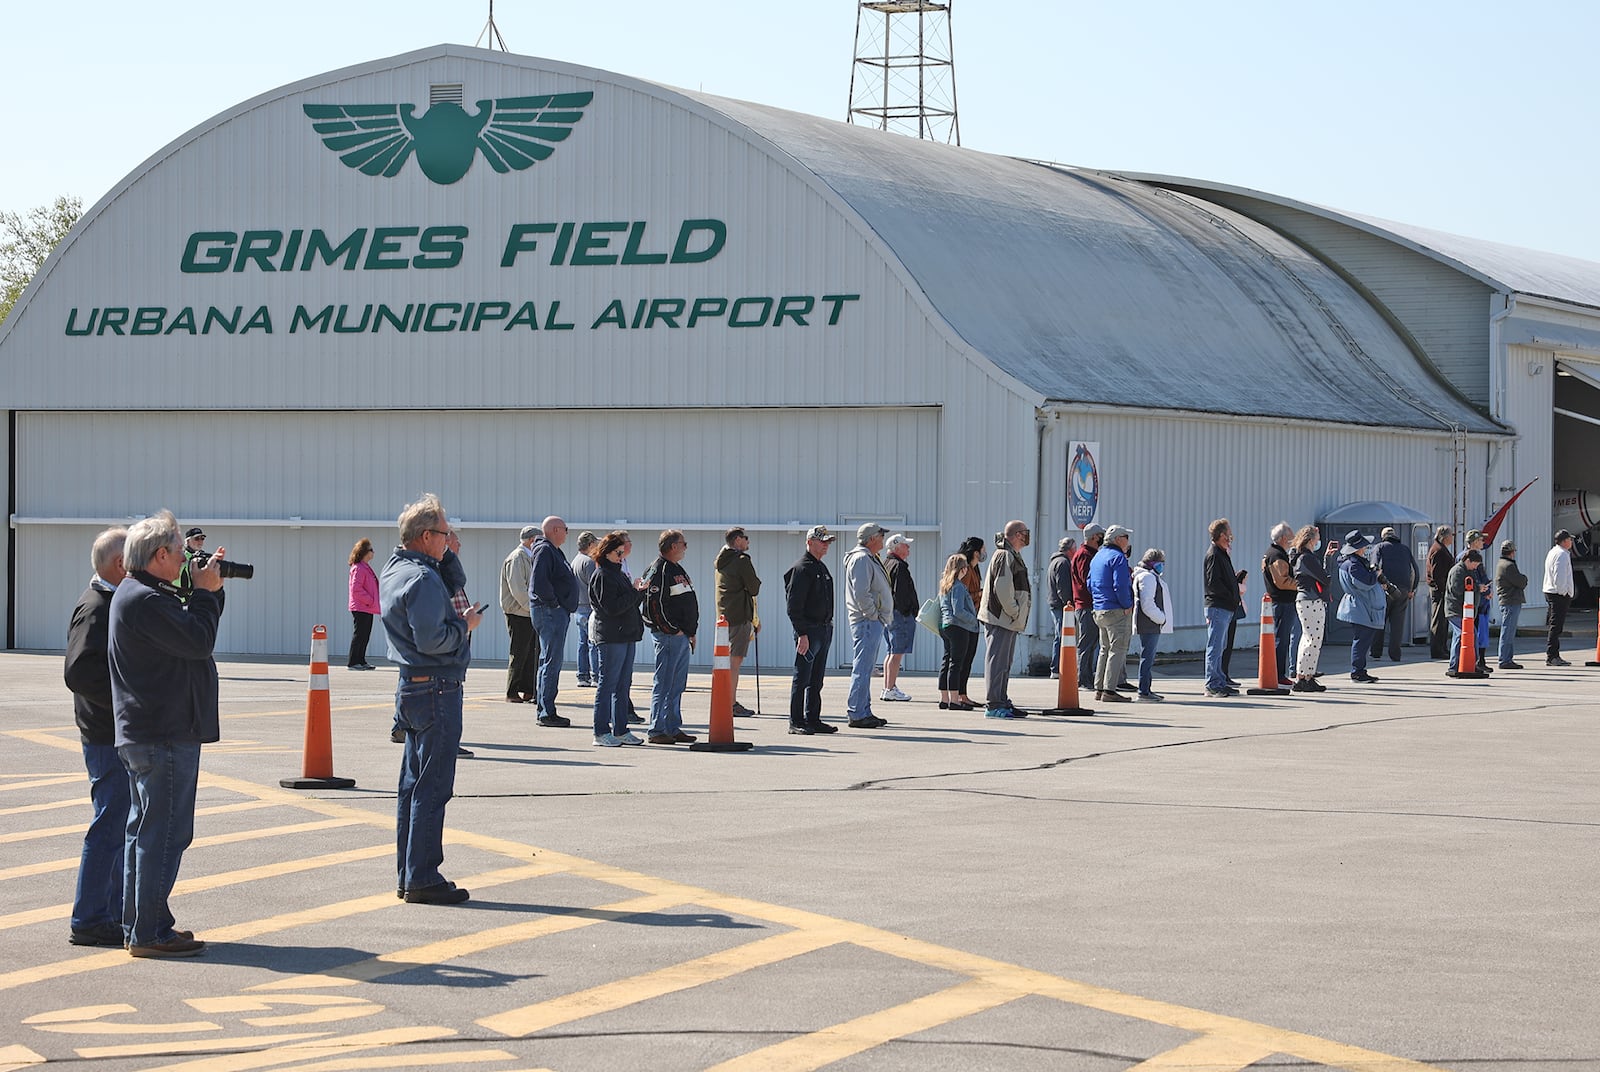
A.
x: 756, y: 640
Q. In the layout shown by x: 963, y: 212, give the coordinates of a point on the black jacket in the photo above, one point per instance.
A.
x: 163, y: 678
x: 810, y: 594
x: 671, y: 606
x: 1222, y: 583
x: 88, y: 669
x: 1060, y: 580
x: 902, y: 587
x: 614, y: 606
x: 1397, y: 564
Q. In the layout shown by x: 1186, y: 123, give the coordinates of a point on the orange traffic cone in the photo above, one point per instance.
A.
x: 721, y: 735
x: 317, y: 768
x: 1467, y: 662
x: 1067, y: 685
x: 1267, y: 658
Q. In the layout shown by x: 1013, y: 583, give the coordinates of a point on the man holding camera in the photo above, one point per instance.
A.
x: 164, y: 700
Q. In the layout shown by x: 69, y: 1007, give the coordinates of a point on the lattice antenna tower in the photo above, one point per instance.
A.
x: 904, y: 75
x: 492, y: 32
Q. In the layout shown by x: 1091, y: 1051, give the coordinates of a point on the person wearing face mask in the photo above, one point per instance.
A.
x: 1364, y: 604
x: 1310, y: 605
x: 1152, y: 615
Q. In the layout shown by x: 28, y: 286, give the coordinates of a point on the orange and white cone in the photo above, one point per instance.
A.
x: 720, y: 737
x: 1467, y: 662
x: 1267, y: 657
x: 317, y: 766
x: 1067, y: 684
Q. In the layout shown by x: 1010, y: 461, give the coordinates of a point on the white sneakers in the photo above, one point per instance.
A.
x: 893, y: 694
x: 611, y: 740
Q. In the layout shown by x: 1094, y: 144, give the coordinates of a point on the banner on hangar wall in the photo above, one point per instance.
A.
x: 1083, y: 484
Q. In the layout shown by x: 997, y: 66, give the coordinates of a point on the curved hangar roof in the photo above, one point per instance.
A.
x: 1091, y: 288
x: 1080, y: 286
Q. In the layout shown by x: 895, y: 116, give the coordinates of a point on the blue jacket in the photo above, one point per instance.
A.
x: 426, y: 635
x: 1398, y: 565
x: 1363, y: 602
x: 956, y: 609
x: 551, y: 582
x: 1111, y: 579
x: 163, y: 679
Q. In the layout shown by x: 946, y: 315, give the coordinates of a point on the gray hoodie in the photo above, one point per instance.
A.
x: 867, y: 596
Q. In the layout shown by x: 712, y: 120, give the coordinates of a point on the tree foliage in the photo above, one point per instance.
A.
x: 25, y: 242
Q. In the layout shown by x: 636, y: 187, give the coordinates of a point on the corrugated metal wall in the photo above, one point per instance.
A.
x: 1167, y: 478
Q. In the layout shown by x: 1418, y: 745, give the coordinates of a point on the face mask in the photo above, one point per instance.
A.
x: 1155, y: 567
x: 1367, y: 553
x: 1316, y: 545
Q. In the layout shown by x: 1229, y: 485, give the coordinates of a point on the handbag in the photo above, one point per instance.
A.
x: 929, y: 618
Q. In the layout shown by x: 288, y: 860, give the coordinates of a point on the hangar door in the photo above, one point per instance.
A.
x: 290, y: 492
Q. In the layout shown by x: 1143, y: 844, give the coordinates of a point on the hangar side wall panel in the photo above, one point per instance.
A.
x: 1441, y: 308
x: 1168, y: 478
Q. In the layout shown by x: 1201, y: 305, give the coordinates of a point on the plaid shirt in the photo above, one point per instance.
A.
x: 459, y: 600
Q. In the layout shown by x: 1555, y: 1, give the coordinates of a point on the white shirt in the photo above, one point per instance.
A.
x: 1558, y: 571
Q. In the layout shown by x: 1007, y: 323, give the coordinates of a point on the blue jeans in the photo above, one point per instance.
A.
x: 611, y: 704
x: 98, y: 900
x: 1508, y: 632
x: 1360, y: 644
x: 1147, y: 660
x: 866, y: 639
x: 551, y: 625
x: 1218, y: 621
x: 162, y: 779
x: 1088, y: 646
x: 1483, y: 609
x: 1292, y: 612
x: 588, y: 664
x: 671, y: 678
x: 430, y: 714
x: 1055, y: 648
x: 1456, y: 622
x: 805, y: 693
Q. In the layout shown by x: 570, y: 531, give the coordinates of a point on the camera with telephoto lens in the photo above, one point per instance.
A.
x: 227, y: 568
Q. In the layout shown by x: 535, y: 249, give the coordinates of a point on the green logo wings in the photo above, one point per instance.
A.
x: 513, y: 133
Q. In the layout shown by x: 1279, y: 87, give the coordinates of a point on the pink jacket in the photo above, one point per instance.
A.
x: 364, y: 589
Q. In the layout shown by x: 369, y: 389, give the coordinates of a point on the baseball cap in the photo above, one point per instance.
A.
x: 869, y: 530
x: 1388, y: 533
x: 897, y: 540
x: 1117, y: 530
x: 1094, y: 530
x: 192, y: 533
x: 820, y: 532
x: 734, y: 533
x: 528, y: 532
x: 1562, y: 534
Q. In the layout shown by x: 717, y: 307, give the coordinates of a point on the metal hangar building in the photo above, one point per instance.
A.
x: 538, y: 288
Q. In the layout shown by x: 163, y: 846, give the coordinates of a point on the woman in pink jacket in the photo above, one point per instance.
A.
x: 363, y: 602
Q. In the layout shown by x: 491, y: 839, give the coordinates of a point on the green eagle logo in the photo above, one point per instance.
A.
x: 513, y: 133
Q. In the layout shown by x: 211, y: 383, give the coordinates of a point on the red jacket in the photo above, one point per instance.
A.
x: 1082, y: 598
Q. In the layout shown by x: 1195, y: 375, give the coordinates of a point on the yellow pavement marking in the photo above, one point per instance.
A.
x: 40, y: 783
x: 67, y: 863
x: 1208, y: 1053
x: 82, y: 1012
x: 431, y: 1059
x: 28, y: 809
x: 212, y: 882
x: 163, y: 1049
x: 15, y: 1057
x: 364, y: 971
x: 325, y: 1047
x: 78, y: 828
x: 102, y: 1027
x: 519, y: 1023
x: 238, y: 932
x: 863, y: 1033
x: 335, y: 1007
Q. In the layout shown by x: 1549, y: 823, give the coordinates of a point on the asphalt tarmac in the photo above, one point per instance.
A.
x: 1382, y: 877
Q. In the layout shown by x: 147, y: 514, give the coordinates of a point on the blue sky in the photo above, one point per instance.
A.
x: 1464, y: 116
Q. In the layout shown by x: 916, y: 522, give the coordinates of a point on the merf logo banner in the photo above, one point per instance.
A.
x: 512, y: 133
x: 1083, y: 483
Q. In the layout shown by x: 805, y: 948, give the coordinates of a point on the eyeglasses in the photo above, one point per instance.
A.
x: 440, y: 532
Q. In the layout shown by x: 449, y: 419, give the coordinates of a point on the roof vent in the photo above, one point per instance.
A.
x: 445, y: 92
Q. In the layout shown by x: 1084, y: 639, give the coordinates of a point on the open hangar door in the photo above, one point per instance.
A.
x: 291, y: 491
x: 1575, y: 458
